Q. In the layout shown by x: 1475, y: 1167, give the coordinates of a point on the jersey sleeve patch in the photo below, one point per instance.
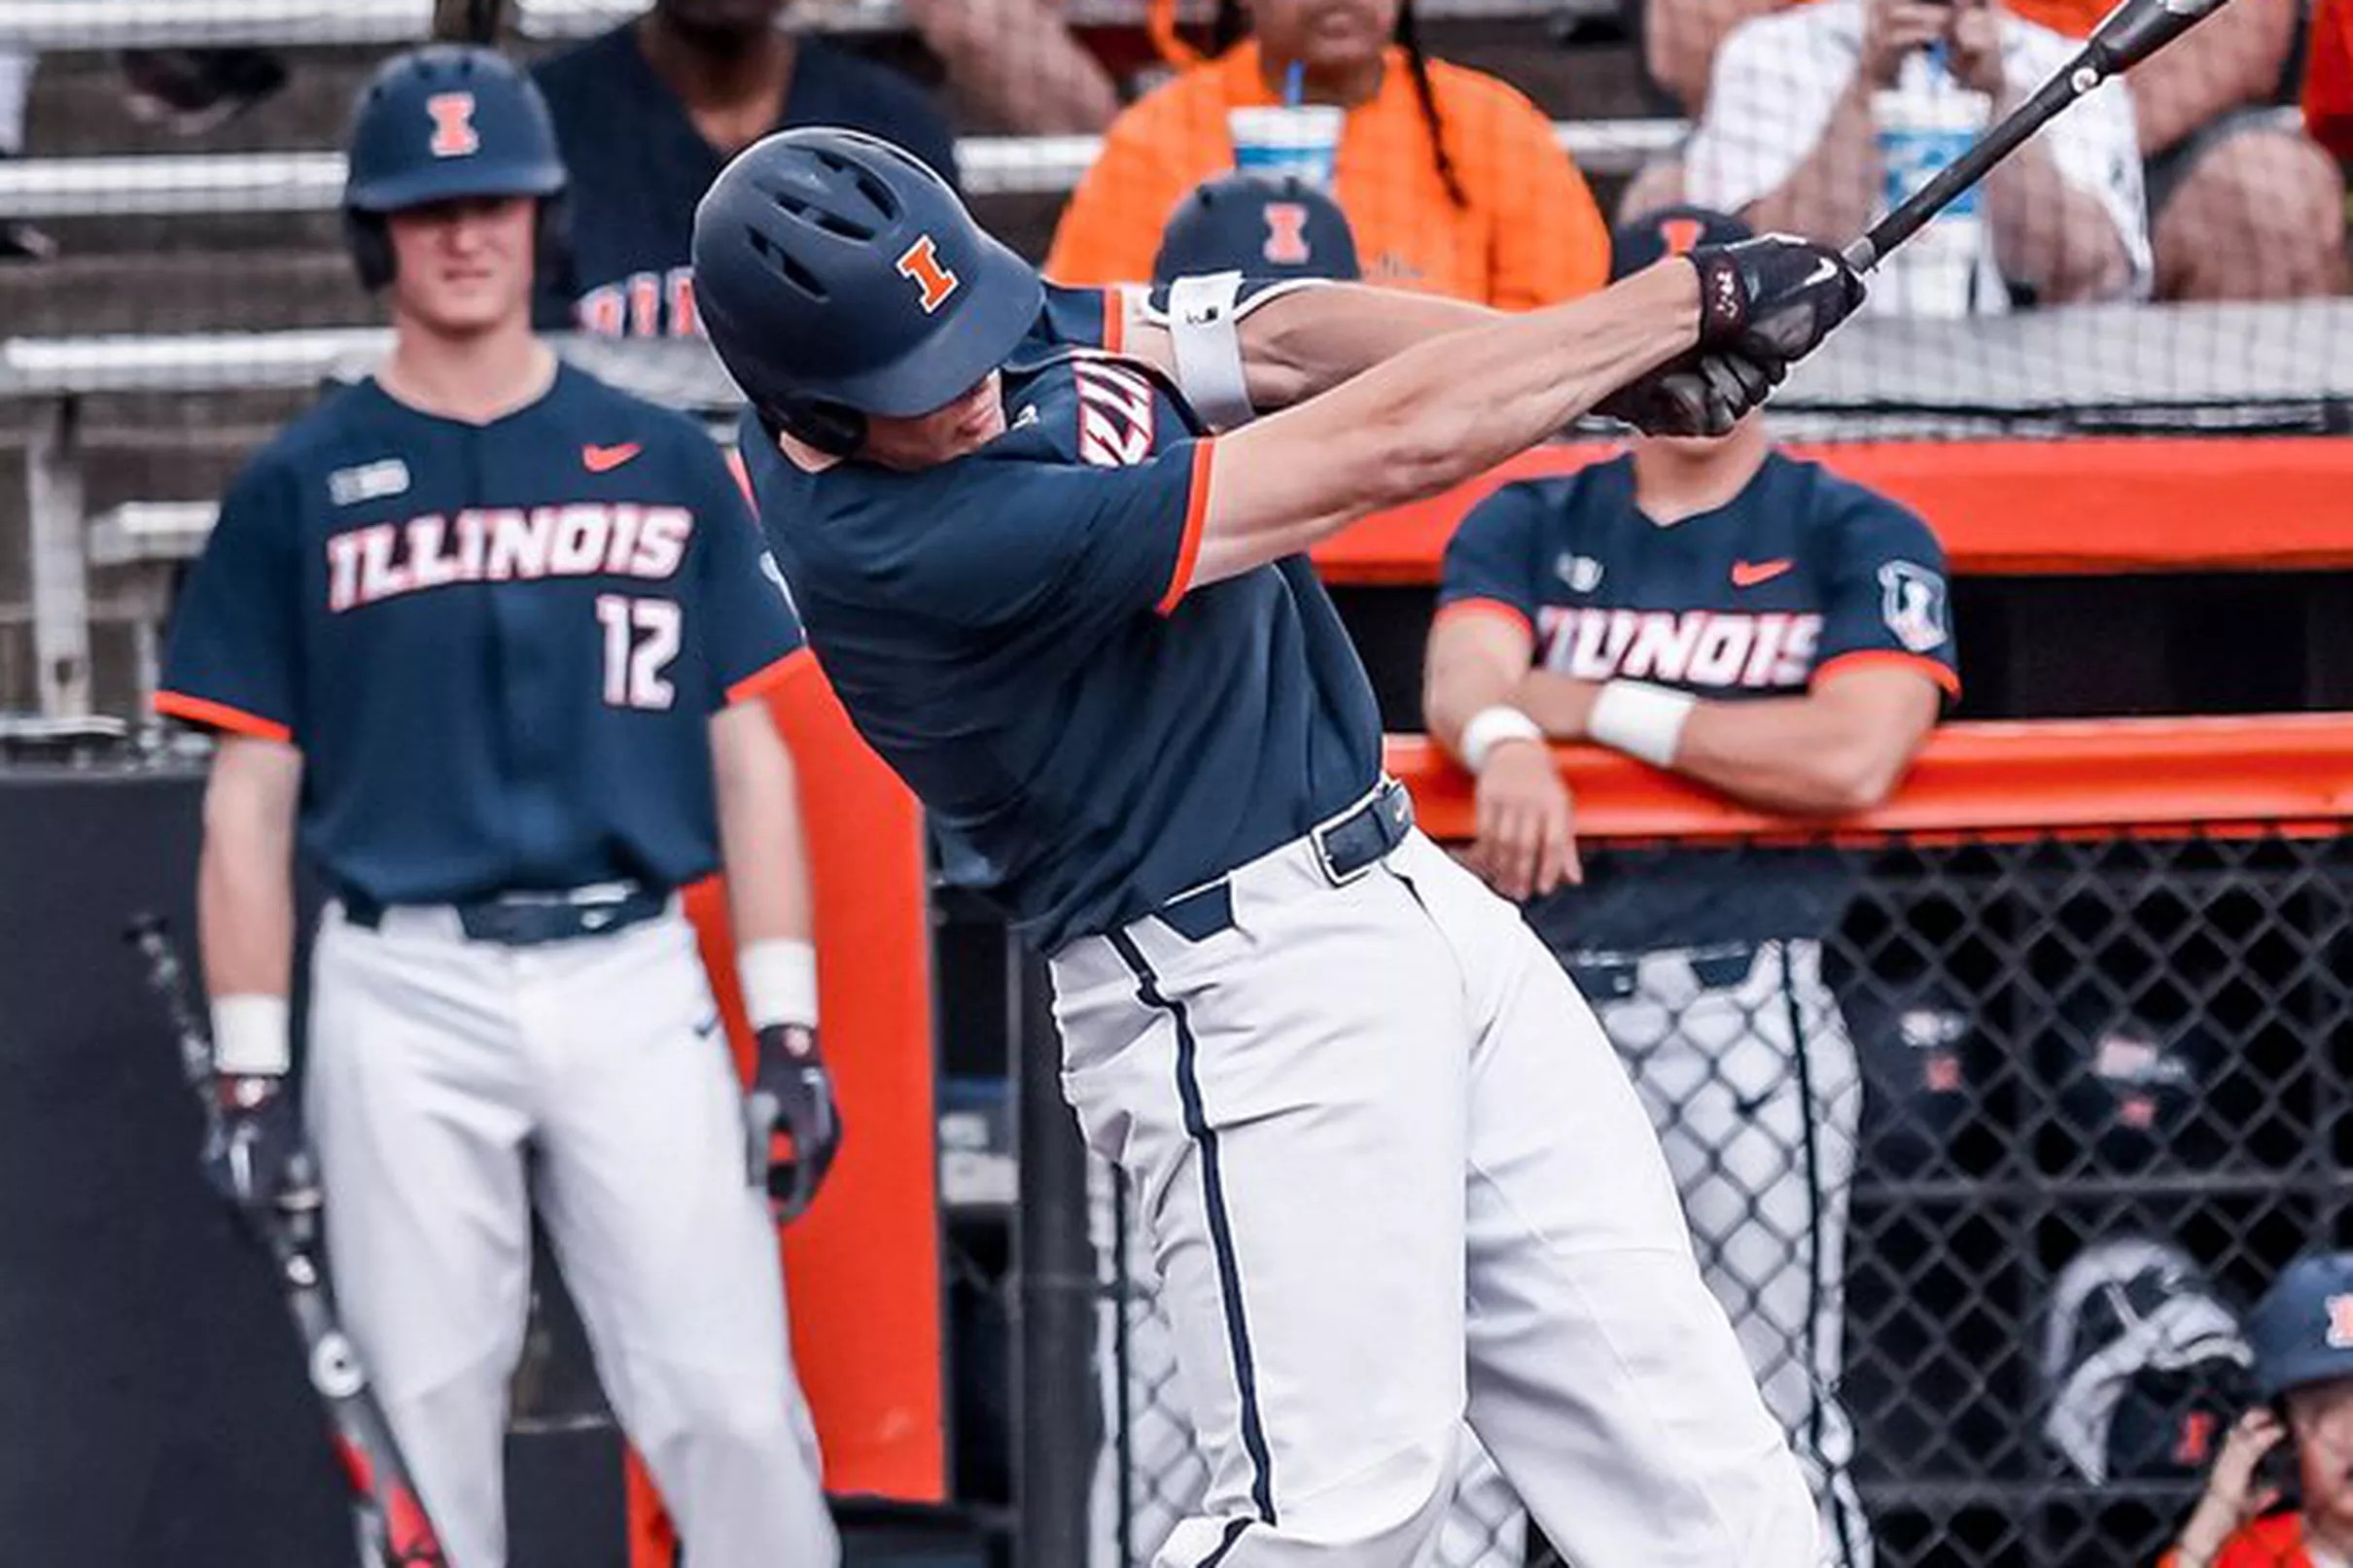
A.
x: 221, y: 715
x: 1196, y: 516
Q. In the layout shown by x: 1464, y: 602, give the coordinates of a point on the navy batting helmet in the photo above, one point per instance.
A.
x: 2303, y: 1329
x: 838, y: 277
x: 1259, y: 228
x: 440, y: 124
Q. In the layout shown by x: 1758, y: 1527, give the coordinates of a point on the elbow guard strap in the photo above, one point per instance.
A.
x: 1204, y: 318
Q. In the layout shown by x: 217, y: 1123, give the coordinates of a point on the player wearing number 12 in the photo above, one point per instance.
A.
x: 482, y: 638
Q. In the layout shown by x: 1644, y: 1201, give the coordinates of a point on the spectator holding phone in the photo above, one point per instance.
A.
x: 2302, y: 1335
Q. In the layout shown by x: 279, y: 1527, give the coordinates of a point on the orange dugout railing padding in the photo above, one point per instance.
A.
x: 2289, y: 772
x: 2244, y: 503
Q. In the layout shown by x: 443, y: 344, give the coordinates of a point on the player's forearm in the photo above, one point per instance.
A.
x: 1831, y: 195
x: 1458, y: 685
x: 1310, y: 341
x: 1807, y: 757
x: 759, y: 824
x: 245, y: 904
x: 1017, y: 62
x: 2048, y: 233
x: 1442, y: 412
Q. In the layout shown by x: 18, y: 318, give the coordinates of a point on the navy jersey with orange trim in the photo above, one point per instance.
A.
x: 497, y: 646
x: 1018, y: 634
x: 1797, y: 574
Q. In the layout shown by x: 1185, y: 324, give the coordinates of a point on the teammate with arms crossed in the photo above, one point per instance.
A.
x: 1759, y: 625
x: 482, y: 638
x: 1369, y: 1121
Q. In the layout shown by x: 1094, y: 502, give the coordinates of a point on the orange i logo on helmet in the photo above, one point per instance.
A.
x: 1287, y: 234
x: 920, y: 265
x: 1679, y: 234
x: 453, y: 132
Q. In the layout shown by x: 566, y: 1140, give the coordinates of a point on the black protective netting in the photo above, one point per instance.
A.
x: 2072, y: 1104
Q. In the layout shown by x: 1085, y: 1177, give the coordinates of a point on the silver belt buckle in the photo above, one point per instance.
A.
x: 1321, y: 837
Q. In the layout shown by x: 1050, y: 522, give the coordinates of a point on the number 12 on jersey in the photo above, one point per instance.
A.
x: 641, y: 639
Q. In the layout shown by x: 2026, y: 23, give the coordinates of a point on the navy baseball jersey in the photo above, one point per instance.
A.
x: 637, y: 166
x: 497, y: 646
x: 1800, y: 574
x: 1018, y: 634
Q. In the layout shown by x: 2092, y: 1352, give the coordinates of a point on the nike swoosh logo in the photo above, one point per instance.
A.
x: 605, y: 459
x: 1749, y: 573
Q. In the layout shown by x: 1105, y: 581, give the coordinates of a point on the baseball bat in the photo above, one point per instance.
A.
x: 389, y: 1517
x: 2128, y: 35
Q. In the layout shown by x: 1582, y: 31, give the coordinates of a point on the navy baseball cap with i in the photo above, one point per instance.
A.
x: 2301, y: 1330
x: 1638, y: 242
x: 1259, y: 228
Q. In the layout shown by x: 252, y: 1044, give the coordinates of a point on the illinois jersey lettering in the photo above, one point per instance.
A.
x: 381, y: 560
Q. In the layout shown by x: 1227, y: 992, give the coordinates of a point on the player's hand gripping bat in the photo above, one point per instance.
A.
x: 394, y: 1531
x: 2129, y: 34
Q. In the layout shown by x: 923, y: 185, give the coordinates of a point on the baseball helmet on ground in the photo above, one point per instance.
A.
x: 442, y: 124
x: 837, y: 276
x: 1259, y: 228
x: 2303, y: 1329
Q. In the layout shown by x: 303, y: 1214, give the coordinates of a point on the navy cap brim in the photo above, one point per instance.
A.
x: 454, y: 181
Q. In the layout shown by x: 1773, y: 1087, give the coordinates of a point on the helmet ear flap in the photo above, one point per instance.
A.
x: 835, y: 429
x: 370, y: 244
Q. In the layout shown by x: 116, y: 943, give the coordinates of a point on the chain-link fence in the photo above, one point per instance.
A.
x: 1984, y: 1166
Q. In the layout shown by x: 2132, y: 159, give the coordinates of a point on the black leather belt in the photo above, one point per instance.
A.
x: 529, y: 920
x: 1613, y: 977
x: 1346, y: 848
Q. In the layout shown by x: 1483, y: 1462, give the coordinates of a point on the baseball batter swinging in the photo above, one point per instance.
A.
x: 1366, y: 1115
x: 482, y: 638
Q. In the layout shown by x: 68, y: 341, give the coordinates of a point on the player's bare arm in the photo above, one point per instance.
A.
x: 1844, y: 747
x: 1309, y: 338
x: 760, y: 828
x: 245, y: 905
x: 1524, y: 846
x: 1434, y: 416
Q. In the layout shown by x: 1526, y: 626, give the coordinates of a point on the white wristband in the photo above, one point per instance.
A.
x: 1491, y: 727
x: 1640, y: 719
x: 779, y: 978
x: 249, y: 1036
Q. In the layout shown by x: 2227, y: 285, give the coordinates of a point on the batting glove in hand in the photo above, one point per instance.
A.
x: 791, y: 1123
x: 1701, y: 393
x: 254, y: 1154
x: 1773, y: 297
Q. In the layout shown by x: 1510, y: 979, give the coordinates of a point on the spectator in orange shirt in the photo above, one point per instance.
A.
x: 2329, y: 78
x: 2243, y: 205
x: 2302, y: 1334
x: 1452, y: 182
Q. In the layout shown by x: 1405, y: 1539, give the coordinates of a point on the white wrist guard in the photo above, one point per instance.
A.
x: 1491, y: 727
x: 1643, y: 720
x: 1203, y: 317
x: 779, y: 979
x: 249, y: 1036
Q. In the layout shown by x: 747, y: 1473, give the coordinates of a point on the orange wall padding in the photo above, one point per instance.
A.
x: 2291, y: 772
x: 2123, y: 503
x: 862, y: 1266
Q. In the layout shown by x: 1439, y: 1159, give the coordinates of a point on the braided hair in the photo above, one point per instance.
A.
x: 1226, y: 29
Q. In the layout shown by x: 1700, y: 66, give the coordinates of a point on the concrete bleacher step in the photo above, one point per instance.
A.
x: 188, y: 292
x: 77, y: 108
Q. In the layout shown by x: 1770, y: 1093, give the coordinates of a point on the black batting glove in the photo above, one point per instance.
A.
x: 254, y: 1154
x: 792, y: 1126
x: 1701, y: 393
x: 1773, y: 297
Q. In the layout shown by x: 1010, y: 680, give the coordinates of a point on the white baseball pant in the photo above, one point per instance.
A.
x: 1752, y: 1082
x: 1395, y: 1177
x: 453, y: 1082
